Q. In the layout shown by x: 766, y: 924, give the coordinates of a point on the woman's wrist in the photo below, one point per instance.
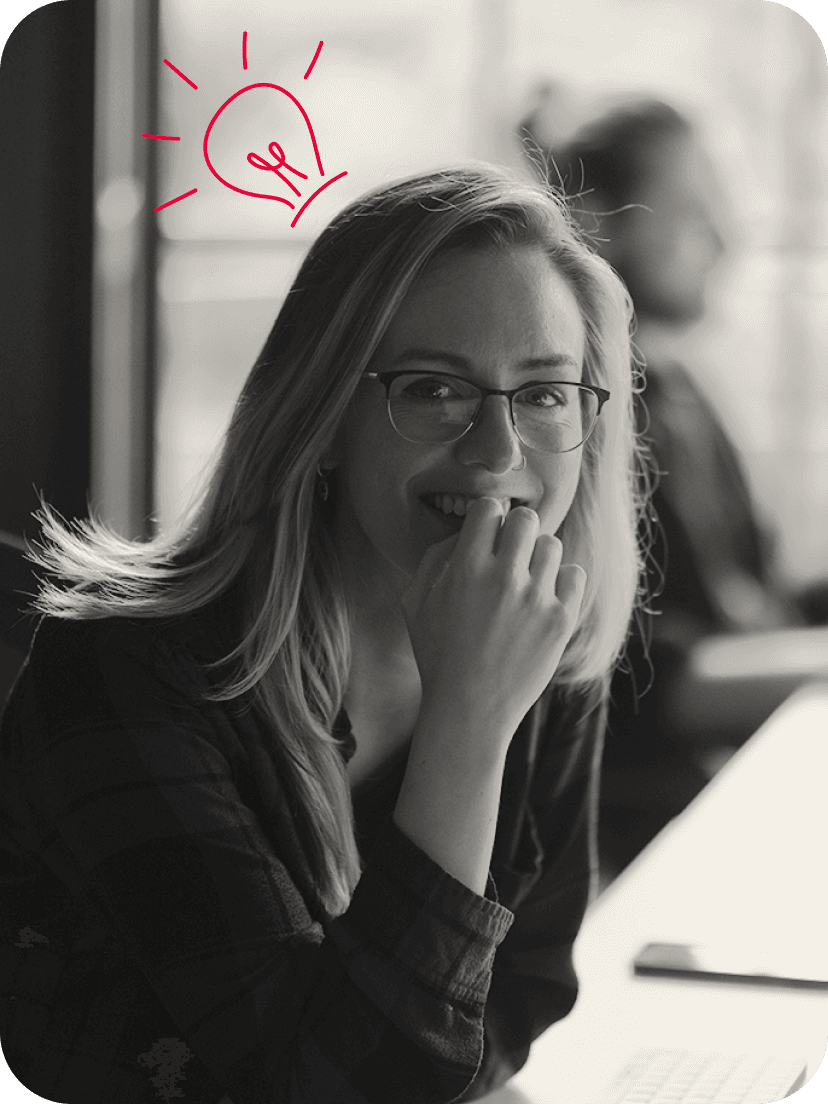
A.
x: 467, y: 724
x: 450, y: 796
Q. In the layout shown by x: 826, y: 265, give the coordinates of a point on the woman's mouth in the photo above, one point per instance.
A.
x: 457, y: 504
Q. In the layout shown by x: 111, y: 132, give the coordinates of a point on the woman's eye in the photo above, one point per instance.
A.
x: 545, y: 397
x: 429, y: 387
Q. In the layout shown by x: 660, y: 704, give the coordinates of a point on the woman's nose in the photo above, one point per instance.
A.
x: 492, y: 440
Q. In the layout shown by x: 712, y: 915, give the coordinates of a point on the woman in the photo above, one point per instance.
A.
x: 300, y: 799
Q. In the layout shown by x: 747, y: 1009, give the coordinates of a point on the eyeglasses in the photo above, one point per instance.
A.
x: 429, y: 408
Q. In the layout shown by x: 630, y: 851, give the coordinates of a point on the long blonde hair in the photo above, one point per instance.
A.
x: 259, y: 525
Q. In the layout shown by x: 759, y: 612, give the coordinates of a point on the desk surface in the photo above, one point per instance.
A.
x: 747, y: 856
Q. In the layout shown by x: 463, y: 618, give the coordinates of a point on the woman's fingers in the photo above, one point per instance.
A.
x: 546, y: 560
x: 484, y: 518
x: 567, y: 582
x: 517, y: 538
x: 487, y: 531
x: 490, y: 612
x: 570, y: 588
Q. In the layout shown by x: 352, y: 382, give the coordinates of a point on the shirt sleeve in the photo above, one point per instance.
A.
x: 383, y: 1003
x: 534, y: 982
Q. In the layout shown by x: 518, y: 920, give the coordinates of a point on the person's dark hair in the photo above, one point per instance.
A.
x: 612, y: 156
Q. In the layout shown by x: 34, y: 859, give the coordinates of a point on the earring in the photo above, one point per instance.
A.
x: 522, y: 464
x: 322, y: 488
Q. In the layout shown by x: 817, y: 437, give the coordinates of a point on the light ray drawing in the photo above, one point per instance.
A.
x: 288, y: 190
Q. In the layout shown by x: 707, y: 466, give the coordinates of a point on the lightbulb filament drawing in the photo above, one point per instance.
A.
x: 280, y: 163
x: 275, y: 150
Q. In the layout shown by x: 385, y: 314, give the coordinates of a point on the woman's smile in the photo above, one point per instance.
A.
x: 451, y: 503
x: 449, y: 508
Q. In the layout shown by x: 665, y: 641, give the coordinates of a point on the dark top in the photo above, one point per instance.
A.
x: 161, y: 933
x: 713, y: 556
x: 718, y: 557
x: 712, y: 565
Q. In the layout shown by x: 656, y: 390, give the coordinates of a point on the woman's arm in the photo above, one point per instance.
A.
x: 534, y: 982
x: 489, y: 613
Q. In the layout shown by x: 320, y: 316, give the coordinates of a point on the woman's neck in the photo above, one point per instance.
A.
x: 373, y: 590
x: 379, y: 636
x: 383, y: 693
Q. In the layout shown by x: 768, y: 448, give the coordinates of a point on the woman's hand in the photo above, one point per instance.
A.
x: 489, y: 613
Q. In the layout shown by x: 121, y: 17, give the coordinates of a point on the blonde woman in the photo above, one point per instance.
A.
x: 299, y: 799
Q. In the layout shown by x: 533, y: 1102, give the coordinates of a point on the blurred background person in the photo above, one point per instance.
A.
x: 648, y: 195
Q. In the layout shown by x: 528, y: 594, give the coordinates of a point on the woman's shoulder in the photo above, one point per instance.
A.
x: 101, y: 671
x: 185, y: 641
x: 67, y: 646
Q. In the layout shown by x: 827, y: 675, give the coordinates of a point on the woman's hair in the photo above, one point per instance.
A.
x: 261, y: 528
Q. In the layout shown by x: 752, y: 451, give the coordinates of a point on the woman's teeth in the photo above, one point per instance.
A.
x: 458, y: 504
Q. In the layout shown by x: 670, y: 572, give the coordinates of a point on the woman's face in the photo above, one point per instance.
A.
x: 499, y: 320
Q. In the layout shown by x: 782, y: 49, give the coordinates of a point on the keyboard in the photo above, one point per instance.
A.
x: 661, y: 1076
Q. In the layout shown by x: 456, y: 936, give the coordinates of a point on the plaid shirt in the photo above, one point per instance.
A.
x: 161, y: 933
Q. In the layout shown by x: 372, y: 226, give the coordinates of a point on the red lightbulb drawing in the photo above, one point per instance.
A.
x: 286, y: 180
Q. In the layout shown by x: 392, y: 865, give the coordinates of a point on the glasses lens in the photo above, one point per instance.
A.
x: 555, y: 417
x: 427, y: 409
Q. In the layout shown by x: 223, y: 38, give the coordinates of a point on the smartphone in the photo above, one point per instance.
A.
x: 731, y: 963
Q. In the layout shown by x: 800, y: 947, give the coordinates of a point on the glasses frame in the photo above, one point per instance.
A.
x: 387, y: 378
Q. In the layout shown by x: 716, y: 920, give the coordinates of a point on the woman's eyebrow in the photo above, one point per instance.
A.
x: 436, y: 356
